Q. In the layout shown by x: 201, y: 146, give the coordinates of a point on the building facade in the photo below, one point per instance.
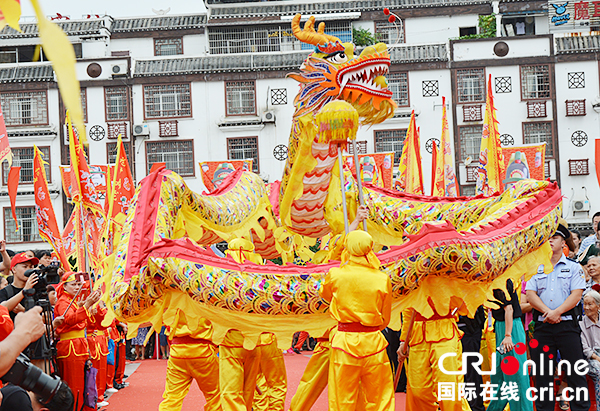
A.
x: 184, y: 89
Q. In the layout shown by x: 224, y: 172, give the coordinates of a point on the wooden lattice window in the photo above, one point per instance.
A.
x: 389, y: 33
x: 241, y: 98
x: 114, y: 129
x: 244, y: 148
x: 547, y: 169
x: 23, y: 157
x: 177, y: 154
x: 168, y: 47
x: 111, y: 153
x: 579, y: 167
x: 471, y: 174
x: 167, y: 128
x: 25, y: 108
x: 472, y: 113
x: 536, y: 109
x: 470, y: 84
x: 167, y: 100
x: 535, y: 82
x: 83, y: 94
x: 575, y: 107
x: 398, y: 85
x: 539, y: 132
x: 28, y: 225
x: 390, y: 140
x: 470, y: 142
x: 361, y: 147
x: 117, y: 103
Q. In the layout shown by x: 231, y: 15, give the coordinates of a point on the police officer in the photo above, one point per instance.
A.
x: 554, y: 297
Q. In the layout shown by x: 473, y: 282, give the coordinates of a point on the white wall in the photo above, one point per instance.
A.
x: 437, y: 29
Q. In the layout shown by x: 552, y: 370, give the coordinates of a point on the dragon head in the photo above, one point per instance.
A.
x: 333, y: 72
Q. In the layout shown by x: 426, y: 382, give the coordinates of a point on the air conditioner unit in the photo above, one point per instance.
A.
x: 581, y: 205
x: 119, y: 69
x: 268, y: 117
x: 141, y: 130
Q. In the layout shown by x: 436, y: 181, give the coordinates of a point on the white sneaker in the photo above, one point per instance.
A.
x: 111, y: 390
x: 102, y: 404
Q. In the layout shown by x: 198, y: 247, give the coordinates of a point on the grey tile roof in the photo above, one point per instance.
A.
x: 72, y: 28
x: 579, y: 44
x: 18, y: 74
x: 418, y: 53
x: 291, y: 8
x: 159, y: 23
x: 219, y: 64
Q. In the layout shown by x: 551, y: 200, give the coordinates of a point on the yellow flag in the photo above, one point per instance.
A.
x: 410, y: 179
x: 59, y: 50
x: 11, y: 13
x: 444, y: 178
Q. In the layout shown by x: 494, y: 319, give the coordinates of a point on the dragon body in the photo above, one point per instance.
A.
x: 440, y: 253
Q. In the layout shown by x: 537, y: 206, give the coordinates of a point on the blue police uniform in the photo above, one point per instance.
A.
x: 553, y: 289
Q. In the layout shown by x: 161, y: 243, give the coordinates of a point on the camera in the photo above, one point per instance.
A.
x: 31, y: 378
x: 46, y: 275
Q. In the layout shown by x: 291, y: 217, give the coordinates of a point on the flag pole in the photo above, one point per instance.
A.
x: 343, y: 187
x: 361, y: 198
x: 85, y: 245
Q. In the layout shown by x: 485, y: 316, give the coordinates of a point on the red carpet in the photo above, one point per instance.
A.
x: 147, y: 383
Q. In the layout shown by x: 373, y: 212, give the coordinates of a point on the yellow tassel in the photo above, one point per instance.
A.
x: 338, y: 122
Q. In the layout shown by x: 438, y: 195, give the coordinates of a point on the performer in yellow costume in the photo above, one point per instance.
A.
x: 430, y: 339
x: 193, y: 357
x: 273, y: 381
x: 361, y: 302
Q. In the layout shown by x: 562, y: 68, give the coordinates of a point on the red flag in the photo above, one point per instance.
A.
x: 434, y: 154
x: 122, y: 187
x: 46, y: 218
x: 13, y: 184
x: 157, y: 166
x: 5, y: 152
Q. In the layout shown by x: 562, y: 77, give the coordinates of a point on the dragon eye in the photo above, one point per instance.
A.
x: 338, y: 58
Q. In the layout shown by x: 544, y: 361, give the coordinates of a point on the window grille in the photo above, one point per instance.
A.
x: 472, y: 173
x: 167, y: 100
x: 579, y: 167
x: 503, y: 85
x: 83, y: 94
x: 278, y: 96
x: 575, y: 107
x: 271, y: 38
x: 23, y: 157
x: 470, y: 142
x: 114, y: 129
x: 535, y: 82
x: 472, y: 113
x: 241, y: 96
x: 168, y: 47
x: 168, y: 128
x: 28, y: 225
x: 387, y: 33
x: 390, y: 140
x: 361, y: 147
x: 534, y: 133
x: 398, y: 85
x: 111, y: 153
x: 244, y: 148
x: 576, y: 80
x: 470, y: 84
x: 117, y: 103
x: 536, y: 109
x: 177, y: 154
x: 24, y: 108
x: 468, y: 191
x: 431, y: 88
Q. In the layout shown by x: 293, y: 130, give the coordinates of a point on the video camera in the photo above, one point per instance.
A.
x: 46, y: 275
x: 31, y: 378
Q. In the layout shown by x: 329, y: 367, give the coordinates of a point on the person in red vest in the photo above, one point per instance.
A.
x: 98, y: 342
x: 72, y: 350
x: 120, y: 357
x: 113, y: 334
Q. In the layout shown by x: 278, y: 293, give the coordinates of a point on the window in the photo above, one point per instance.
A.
x: 117, y: 103
x: 178, y: 156
x: 390, y: 140
x: 240, y: 97
x: 389, y: 33
x: 168, y: 47
x: 398, y: 84
x: 470, y: 142
x: 534, y: 133
x: 535, y: 82
x: 28, y: 226
x: 244, y: 148
x: 23, y: 157
x: 167, y: 100
x: 111, y: 153
x: 467, y: 31
x: 83, y: 94
x: 470, y: 84
x: 22, y: 54
x: 518, y: 26
x: 25, y: 108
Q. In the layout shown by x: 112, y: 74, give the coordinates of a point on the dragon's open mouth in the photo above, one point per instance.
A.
x: 366, y: 76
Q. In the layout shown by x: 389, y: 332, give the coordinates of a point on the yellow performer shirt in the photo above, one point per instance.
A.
x: 345, y: 288
x: 186, y: 337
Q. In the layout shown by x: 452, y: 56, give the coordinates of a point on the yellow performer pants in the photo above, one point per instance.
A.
x: 261, y: 396
x: 181, y: 372
x: 272, y: 367
x: 238, y: 369
x: 314, y: 379
x: 349, y: 375
x: 423, y: 376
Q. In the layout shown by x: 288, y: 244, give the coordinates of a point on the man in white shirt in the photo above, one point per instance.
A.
x: 592, y: 238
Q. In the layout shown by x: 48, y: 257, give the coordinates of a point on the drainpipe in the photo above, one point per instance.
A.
x: 496, y: 11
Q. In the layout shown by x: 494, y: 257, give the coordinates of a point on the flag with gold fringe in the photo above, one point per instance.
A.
x: 13, y: 184
x: 490, y: 171
x: 444, y: 178
x: 410, y: 179
x: 46, y: 219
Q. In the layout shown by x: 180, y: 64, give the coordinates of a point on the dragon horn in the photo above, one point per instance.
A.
x: 309, y: 35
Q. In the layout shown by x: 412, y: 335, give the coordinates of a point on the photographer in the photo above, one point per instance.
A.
x: 12, y: 295
x: 13, y: 397
x: 72, y: 347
